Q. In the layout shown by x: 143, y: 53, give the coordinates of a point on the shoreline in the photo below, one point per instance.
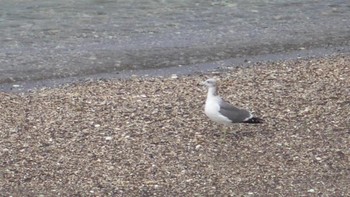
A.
x: 217, y: 66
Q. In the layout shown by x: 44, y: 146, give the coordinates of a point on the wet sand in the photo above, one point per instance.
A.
x: 149, y: 136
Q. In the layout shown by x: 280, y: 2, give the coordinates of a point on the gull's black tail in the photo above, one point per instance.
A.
x: 254, y: 120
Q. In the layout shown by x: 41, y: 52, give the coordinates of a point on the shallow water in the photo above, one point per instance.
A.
x: 55, y: 39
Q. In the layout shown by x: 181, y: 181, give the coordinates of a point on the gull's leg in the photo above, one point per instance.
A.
x: 227, y: 130
x: 234, y: 132
x: 223, y: 133
x: 223, y: 137
x: 217, y: 130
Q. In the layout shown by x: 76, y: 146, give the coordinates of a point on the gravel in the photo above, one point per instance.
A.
x: 150, y: 137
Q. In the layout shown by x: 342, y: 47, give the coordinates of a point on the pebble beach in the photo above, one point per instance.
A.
x: 150, y: 137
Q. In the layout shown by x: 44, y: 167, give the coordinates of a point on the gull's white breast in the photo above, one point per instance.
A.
x: 212, y: 109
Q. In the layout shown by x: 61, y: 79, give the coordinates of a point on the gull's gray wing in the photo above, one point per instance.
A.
x: 235, y: 114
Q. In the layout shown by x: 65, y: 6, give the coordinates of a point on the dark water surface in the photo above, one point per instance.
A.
x: 56, y: 39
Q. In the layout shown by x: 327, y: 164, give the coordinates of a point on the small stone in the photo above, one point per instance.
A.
x: 108, y: 138
x: 174, y: 76
x: 97, y: 125
x: 311, y: 190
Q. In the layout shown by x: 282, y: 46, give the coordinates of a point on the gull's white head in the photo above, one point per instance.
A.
x: 210, y: 82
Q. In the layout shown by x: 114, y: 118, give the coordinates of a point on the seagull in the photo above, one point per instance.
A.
x: 223, y: 112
